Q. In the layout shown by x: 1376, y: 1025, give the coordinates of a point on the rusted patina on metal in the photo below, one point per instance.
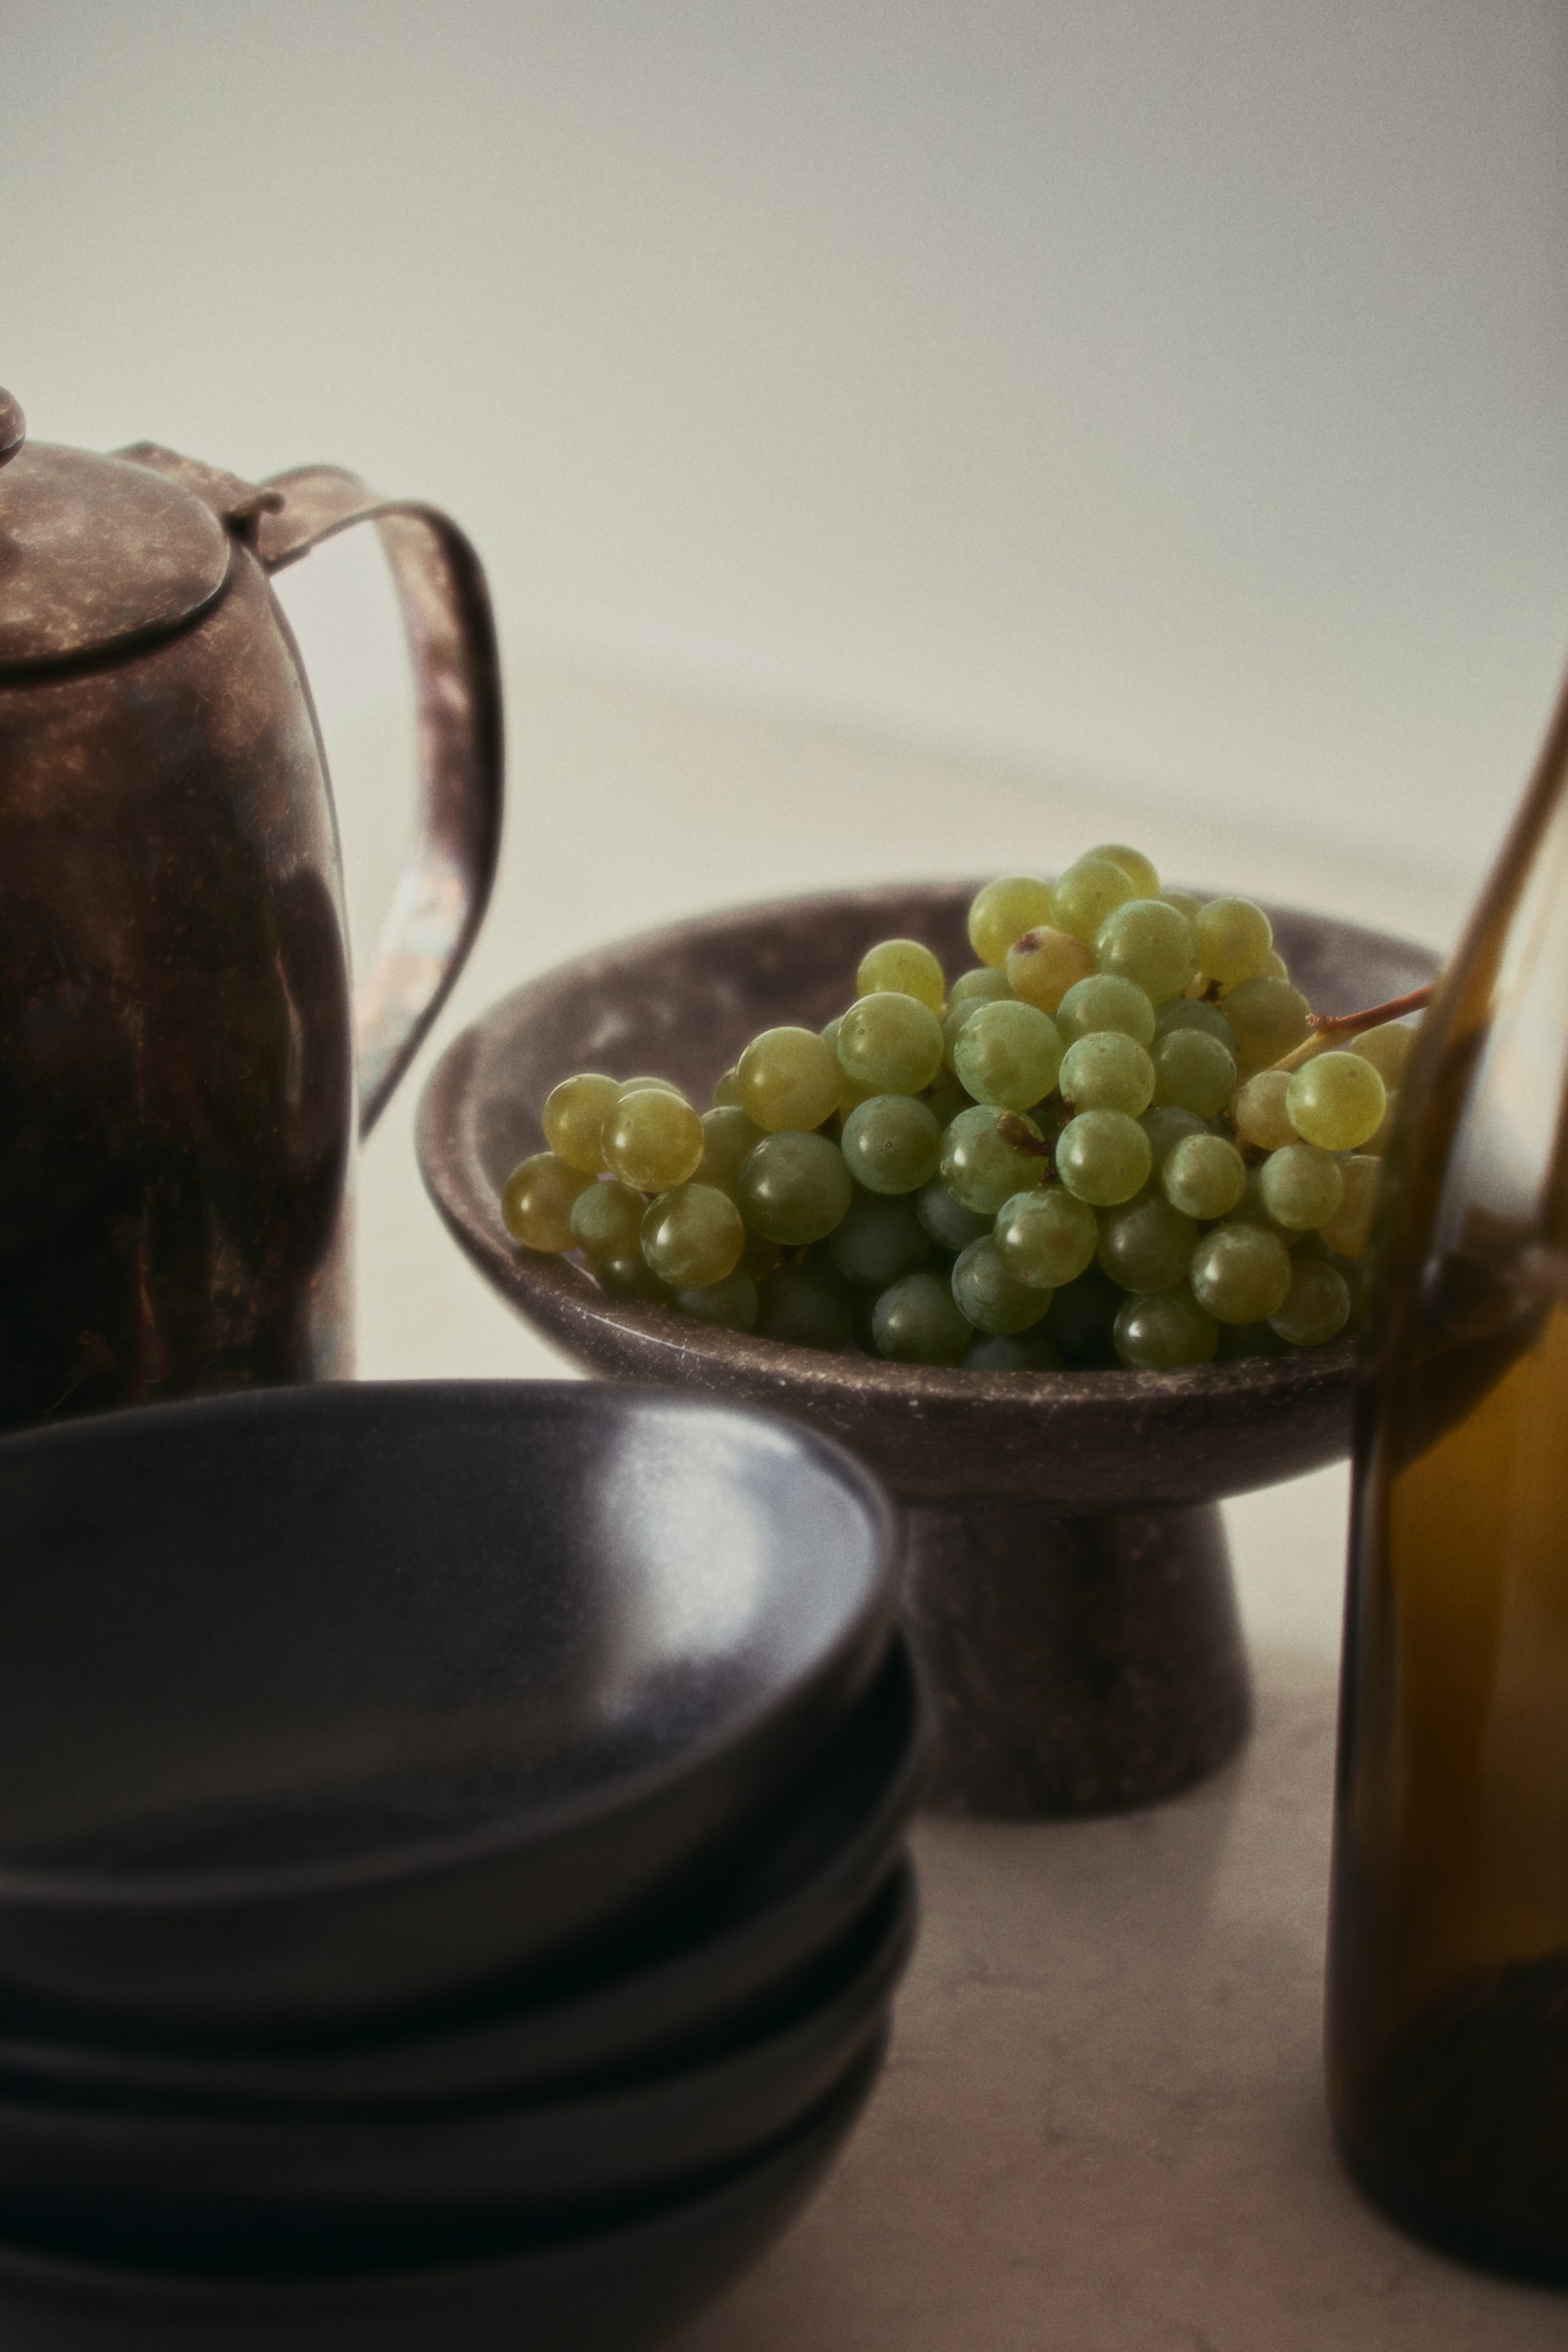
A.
x: 13, y: 426
x: 441, y: 898
x: 97, y: 556
x: 177, y: 1040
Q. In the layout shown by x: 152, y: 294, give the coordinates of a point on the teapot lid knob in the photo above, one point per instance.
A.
x: 13, y: 426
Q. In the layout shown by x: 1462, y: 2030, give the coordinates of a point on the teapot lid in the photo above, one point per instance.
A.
x: 96, y: 553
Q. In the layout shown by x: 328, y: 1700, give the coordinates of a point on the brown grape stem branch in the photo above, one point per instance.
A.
x: 1332, y: 1029
x: 1022, y: 1136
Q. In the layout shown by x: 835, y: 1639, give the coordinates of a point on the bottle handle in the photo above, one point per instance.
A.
x: 441, y: 895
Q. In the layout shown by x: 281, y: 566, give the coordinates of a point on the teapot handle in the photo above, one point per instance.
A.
x: 441, y: 895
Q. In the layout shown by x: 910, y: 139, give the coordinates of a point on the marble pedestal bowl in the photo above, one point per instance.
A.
x: 1068, y: 1588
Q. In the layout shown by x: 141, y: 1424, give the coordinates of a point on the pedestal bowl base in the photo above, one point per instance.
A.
x: 1078, y: 1662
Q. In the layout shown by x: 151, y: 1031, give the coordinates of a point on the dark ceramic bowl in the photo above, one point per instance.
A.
x: 318, y: 1703
x: 420, y: 2181
x: 739, y: 1947
x: 611, y: 2286
x: 1066, y: 1582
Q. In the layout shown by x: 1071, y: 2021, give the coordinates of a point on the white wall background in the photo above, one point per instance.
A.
x: 1166, y: 392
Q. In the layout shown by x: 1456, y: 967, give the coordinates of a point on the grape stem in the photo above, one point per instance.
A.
x: 1018, y: 1133
x: 1328, y: 1029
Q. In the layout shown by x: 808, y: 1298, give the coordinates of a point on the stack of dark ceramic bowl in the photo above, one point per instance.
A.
x: 452, y: 1883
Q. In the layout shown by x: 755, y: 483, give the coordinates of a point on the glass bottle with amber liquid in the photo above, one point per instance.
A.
x: 1447, y: 2014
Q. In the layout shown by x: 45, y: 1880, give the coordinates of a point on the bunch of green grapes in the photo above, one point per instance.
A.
x: 1114, y: 1140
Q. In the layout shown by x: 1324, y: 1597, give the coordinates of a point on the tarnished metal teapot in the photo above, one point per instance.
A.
x: 178, y: 1042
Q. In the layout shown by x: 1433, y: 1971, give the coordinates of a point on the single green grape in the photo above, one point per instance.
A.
x: 890, y: 1043
x: 794, y: 1187
x: 1337, y: 1100
x: 606, y: 1219
x: 1301, y: 1186
x: 1105, y: 1001
x: 1166, y: 1127
x: 904, y: 967
x: 980, y: 1167
x: 1270, y: 1019
x: 850, y: 1090
x: 731, y: 1304
x: 1204, y: 1176
x: 877, y: 1241
x: 728, y: 1135
x: 1085, y: 895
x: 1043, y: 964
x: 1149, y: 943
x: 1103, y: 1157
x: 1347, y: 1230
x: 574, y: 1116
x: 945, y: 1218
x: 1388, y: 1048
x: 1008, y: 1054
x: 983, y: 982
x: 891, y: 1143
x: 537, y: 1199
x: 1193, y: 1013
x: 653, y: 1139
x: 788, y: 1078
x: 1233, y: 939
x: 1241, y: 1272
x: 1193, y: 1071
x: 1145, y: 881
x: 1183, y: 900
x: 1002, y: 911
x: 804, y: 1306
x: 1160, y: 1330
x: 727, y: 1091
x: 692, y: 1237
x: 1261, y: 1117
x: 1107, y: 1070
x: 1045, y: 1237
x: 989, y: 1296
x: 1148, y: 1244
x: 1032, y: 1351
x: 1318, y: 1306
x: 954, y: 1023
x: 917, y: 1320
x: 633, y: 1277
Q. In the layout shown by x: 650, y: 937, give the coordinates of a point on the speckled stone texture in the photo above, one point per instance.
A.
x: 1079, y: 1661
x: 1069, y: 1446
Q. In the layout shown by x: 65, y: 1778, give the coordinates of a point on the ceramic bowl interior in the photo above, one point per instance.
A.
x: 389, y: 1687
x: 682, y: 1003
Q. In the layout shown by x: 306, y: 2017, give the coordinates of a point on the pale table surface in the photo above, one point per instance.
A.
x: 1102, y: 2129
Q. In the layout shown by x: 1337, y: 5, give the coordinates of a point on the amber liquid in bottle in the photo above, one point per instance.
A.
x: 1447, y: 2019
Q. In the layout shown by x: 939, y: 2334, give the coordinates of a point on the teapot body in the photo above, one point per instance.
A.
x: 177, y: 1037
